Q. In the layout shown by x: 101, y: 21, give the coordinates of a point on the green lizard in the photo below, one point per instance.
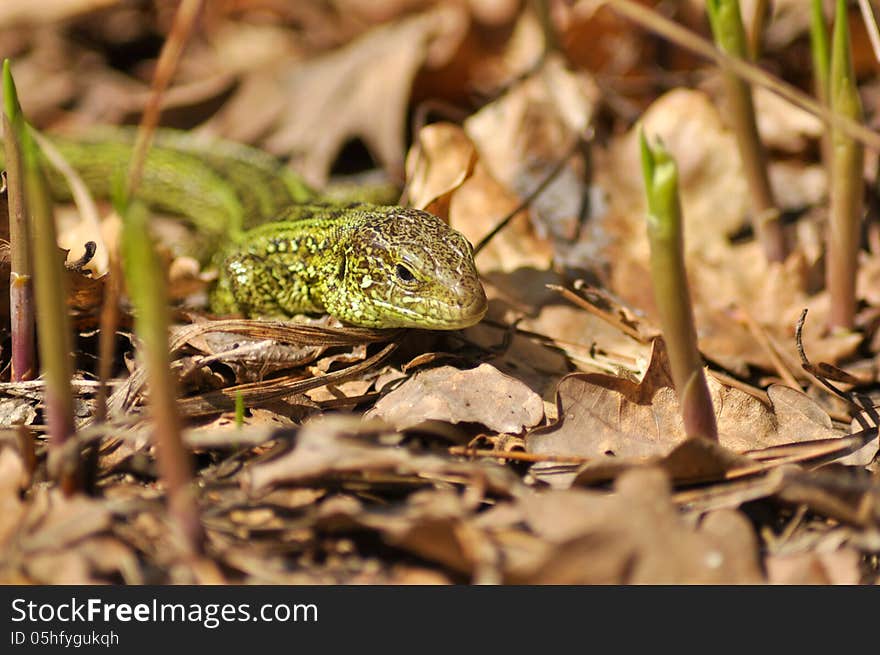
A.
x: 281, y: 250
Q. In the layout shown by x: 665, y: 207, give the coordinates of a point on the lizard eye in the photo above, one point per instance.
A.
x: 404, y: 274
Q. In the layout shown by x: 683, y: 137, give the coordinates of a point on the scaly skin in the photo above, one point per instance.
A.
x: 368, y: 265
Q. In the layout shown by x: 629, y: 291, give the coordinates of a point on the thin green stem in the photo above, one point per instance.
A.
x: 148, y: 289
x: 21, y: 300
x: 847, y: 184
x: 671, y: 293
x: 730, y: 37
x: 53, y: 329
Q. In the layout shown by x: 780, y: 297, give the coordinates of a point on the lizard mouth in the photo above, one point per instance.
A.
x: 440, y: 317
x: 455, y: 317
x: 471, y: 313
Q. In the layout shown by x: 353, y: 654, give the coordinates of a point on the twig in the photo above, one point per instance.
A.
x: 760, y: 335
x: 516, y: 455
x: 760, y: 13
x: 608, y: 317
x: 736, y: 383
x: 871, y: 27
x: 857, y: 402
x: 529, y: 198
x: 184, y: 20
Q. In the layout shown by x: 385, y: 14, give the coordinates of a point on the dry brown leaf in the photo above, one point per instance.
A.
x: 433, y: 525
x: 336, y: 392
x: 602, y: 416
x: 12, y: 477
x: 481, y: 395
x: 528, y: 132
x: 714, y: 196
x: 537, y: 366
x: 16, y: 411
x: 64, y: 522
x: 339, y: 445
x: 438, y: 163
x: 635, y: 536
x: 360, y: 91
x: 47, y: 11
x: 477, y: 206
x: 259, y: 426
x: 810, y: 568
x: 530, y: 128
x: 692, y: 460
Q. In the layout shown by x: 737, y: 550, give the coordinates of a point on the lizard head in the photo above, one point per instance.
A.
x: 406, y: 268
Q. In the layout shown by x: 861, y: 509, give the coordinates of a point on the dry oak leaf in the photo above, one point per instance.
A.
x: 480, y: 395
x: 311, y: 109
x: 605, y: 416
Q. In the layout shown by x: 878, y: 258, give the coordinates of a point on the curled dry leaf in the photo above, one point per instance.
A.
x: 481, y: 395
x: 441, y: 159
